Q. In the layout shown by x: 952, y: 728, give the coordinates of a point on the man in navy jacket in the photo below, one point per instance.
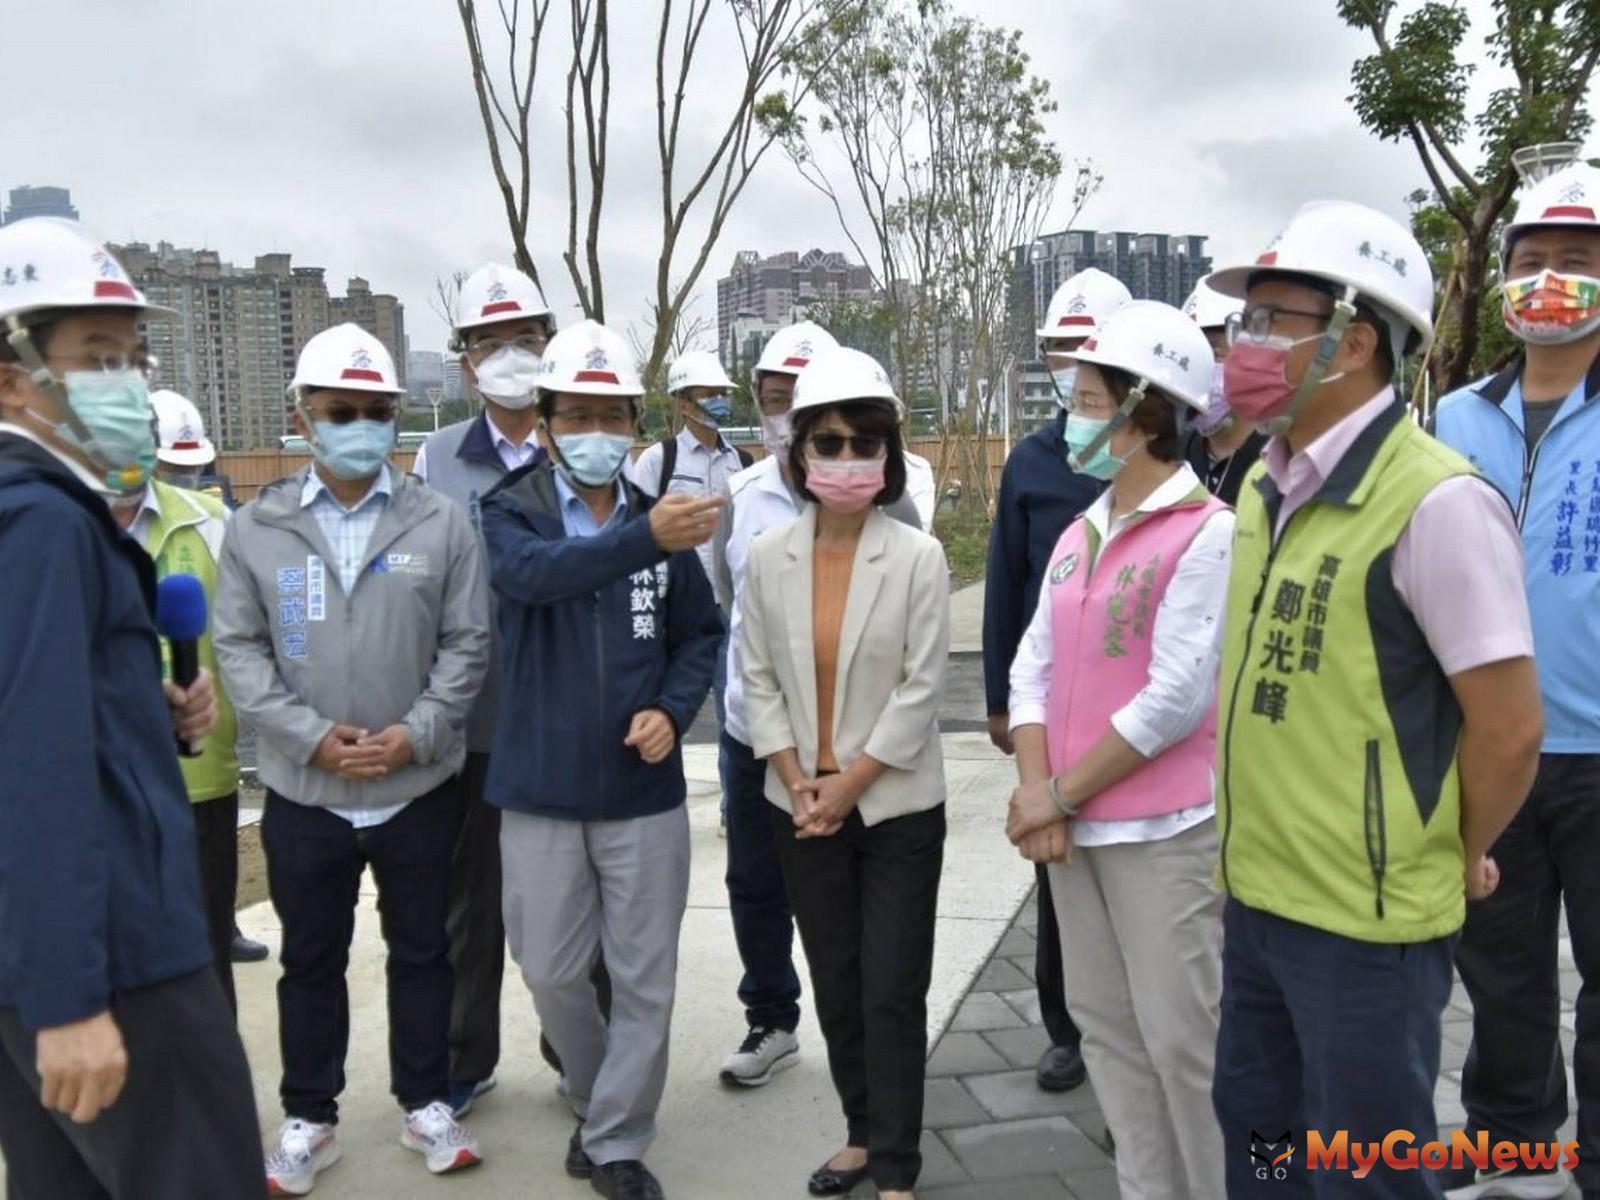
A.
x: 121, y: 1072
x: 1039, y: 497
x: 610, y: 637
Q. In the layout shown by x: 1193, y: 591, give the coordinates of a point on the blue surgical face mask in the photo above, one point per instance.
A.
x: 1080, y: 434
x: 717, y: 411
x: 114, y: 409
x: 355, y: 450
x: 592, y: 459
x: 1065, y: 380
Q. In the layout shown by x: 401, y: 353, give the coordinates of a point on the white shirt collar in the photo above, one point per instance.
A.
x: 497, y: 436
x: 1183, y: 482
x: 97, y: 486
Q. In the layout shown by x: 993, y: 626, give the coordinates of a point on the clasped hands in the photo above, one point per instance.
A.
x: 1035, y: 825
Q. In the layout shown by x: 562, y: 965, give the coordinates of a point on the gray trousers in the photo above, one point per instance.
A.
x: 1141, y: 925
x: 574, y: 890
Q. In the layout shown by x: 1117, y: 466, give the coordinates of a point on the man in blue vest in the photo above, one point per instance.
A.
x: 1534, y: 431
x: 1040, y: 495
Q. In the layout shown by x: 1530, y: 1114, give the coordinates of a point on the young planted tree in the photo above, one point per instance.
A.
x: 940, y: 126
x: 1414, y: 87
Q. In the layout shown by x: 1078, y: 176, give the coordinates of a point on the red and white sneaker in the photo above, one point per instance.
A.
x: 443, y: 1142
x: 304, y: 1150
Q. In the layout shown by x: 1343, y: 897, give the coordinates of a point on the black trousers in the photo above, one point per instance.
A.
x: 1514, y: 1085
x: 1047, y: 968
x: 183, y: 1127
x: 314, y: 864
x: 477, y: 933
x: 216, y: 827
x: 865, y: 902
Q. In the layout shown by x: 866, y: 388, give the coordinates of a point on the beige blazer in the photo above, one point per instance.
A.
x: 893, y: 650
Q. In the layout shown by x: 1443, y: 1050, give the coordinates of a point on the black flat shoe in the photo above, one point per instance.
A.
x: 579, y: 1165
x: 626, y: 1180
x: 1061, y: 1069
x: 834, y: 1181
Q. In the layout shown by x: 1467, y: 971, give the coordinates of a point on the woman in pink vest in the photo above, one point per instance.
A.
x: 1113, y: 712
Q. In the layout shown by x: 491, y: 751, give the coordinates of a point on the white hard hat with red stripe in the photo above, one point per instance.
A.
x: 1567, y: 199
x: 1157, y: 344
x: 1362, y: 254
x: 1209, y: 308
x: 495, y: 293
x: 696, y: 368
x: 50, y: 262
x: 1082, y: 303
x: 838, y: 375
x: 589, y: 359
x: 348, y: 358
x: 181, y: 433
x: 791, y: 349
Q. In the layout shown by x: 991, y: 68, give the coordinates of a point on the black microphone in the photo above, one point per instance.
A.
x: 181, y: 619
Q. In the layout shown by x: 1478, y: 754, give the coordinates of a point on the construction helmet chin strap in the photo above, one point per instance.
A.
x: 1119, y: 419
x: 20, y: 338
x: 1344, y: 311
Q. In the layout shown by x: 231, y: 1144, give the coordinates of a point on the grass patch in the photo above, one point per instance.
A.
x: 965, y: 534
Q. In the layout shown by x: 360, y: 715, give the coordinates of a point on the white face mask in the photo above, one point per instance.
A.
x: 508, y: 376
x: 1064, y: 379
x: 775, y: 434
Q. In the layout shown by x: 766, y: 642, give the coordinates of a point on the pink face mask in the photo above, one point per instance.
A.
x: 844, y: 485
x: 1253, y: 377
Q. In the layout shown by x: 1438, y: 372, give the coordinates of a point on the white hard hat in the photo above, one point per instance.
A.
x: 180, y: 430
x: 838, y: 374
x: 1352, y: 246
x: 789, y: 350
x: 349, y: 358
x: 589, y: 359
x: 1156, y: 343
x: 696, y: 368
x: 1567, y: 199
x: 495, y: 293
x: 50, y: 262
x: 1209, y: 308
x: 1082, y: 303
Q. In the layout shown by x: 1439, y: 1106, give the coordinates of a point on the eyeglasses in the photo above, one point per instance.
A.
x: 381, y: 411
x: 615, y: 421
x: 533, y: 343
x: 1255, y: 323
x: 862, y: 445
x: 138, y: 361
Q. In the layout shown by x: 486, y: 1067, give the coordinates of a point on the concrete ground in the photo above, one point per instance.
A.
x: 714, y: 1142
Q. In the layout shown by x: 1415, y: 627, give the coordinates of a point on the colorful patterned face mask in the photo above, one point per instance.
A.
x: 1551, y: 309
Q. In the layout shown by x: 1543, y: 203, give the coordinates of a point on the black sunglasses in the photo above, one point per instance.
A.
x: 862, y: 445
x: 343, y: 414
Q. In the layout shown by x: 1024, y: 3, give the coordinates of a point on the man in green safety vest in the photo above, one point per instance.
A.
x: 1379, y: 715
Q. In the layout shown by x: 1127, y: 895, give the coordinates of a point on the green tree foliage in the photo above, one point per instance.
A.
x: 1414, y: 88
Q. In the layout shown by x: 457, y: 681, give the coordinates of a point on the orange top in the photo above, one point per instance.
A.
x: 830, y: 588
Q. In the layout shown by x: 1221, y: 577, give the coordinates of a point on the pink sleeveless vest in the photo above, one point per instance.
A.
x: 1101, y: 618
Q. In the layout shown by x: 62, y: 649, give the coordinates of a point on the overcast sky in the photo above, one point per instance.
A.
x: 347, y: 133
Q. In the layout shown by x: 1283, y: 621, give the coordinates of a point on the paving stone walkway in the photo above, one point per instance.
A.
x: 991, y: 1134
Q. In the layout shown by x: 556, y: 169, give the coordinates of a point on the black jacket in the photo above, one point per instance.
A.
x: 1039, y: 497
x: 1223, y: 479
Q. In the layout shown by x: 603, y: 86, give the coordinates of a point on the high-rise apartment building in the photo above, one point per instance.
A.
x: 1155, y: 266
x: 768, y: 293
x: 38, y: 202
x: 239, y: 330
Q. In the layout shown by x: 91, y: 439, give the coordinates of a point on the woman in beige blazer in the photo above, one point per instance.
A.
x: 845, y: 632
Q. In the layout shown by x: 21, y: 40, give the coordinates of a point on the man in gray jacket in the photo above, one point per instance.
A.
x: 352, y: 630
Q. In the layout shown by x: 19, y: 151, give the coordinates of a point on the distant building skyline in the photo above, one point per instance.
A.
x: 28, y: 201
x: 760, y: 295
x: 239, y: 331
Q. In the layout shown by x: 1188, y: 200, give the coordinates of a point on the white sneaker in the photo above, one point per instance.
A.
x: 304, y: 1150
x: 443, y: 1142
x: 763, y: 1054
x: 1516, y: 1184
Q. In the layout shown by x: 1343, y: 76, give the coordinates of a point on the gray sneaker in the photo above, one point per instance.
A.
x: 762, y: 1054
